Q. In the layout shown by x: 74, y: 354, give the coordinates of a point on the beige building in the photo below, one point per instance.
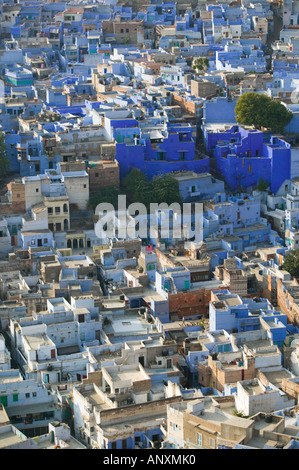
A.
x: 204, y: 89
x: 124, y: 32
x: 77, y: 188
x: 101, y: 174
x: 232, y: 276
x: 260, y: 26
x: 58, y: 212
x: 206, y: 423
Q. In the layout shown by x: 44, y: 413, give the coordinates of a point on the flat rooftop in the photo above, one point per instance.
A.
x: 277, y: 377
x: 126, y: 325
x: 257, y: 344
x: 227, y: 300
x: 131, y: 374
x: 10, y: 379
x: 137, y: 422
x: 220, y: 338
x: 37, y: 340
x: 95, y: 400
x: 9, y: 438
x: 47, y: 444
x: 114, y: 304
x: 254, y: 388
x: 251, y: 228
x: 190, y: 175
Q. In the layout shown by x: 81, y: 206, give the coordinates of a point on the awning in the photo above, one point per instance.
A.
x: 23, y: 410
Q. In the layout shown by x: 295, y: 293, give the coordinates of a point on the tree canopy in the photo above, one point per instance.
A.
x: 107, y: 194
x: 4, y: 161
x: 138, y: 188
x: 262, y: 185
x: 291, y: 263
x: 166, y: 189
x: 162, y: 188
x: 259, y: 110
x: 134, y: 185
x: 201, y: 64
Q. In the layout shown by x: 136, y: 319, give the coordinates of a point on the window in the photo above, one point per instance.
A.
x: 34, y: 394
x: 57, y: 210
x: 150, y: 267
x: 212, y: 443
x: 199, y: 439
x: 175, y: 427
x: 3, y: 400
x: 36, y: 190
x: 15, y: 397
x: 50, y: 210
x: 27, y: 395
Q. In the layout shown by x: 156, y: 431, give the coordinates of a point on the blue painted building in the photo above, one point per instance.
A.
x: 157, y: 151
x: 36, y: 238
x: 19, y: 77
x: 231, y: 313
x: 244, y: 157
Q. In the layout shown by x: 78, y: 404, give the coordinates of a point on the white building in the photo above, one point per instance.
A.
x: 252, y: 396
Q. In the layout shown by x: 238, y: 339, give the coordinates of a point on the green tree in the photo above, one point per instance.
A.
x: 201, y: 64
x: 262, y: 185
x: 259, y: 110
x: 166, y: 189
x: 162, y: 188
x: 134, y: 184
x: 291, y: 263
x: 107, y: 194
x: 4, y: 161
